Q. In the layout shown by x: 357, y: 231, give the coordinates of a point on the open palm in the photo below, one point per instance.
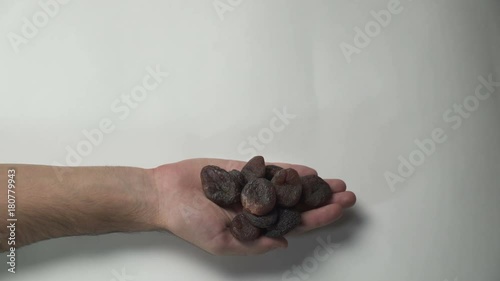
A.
x: 185, y: 211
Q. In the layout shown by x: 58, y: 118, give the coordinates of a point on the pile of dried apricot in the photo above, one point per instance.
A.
x: 272, y: 197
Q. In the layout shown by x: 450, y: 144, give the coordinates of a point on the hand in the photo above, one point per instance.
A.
x: 185, y: 211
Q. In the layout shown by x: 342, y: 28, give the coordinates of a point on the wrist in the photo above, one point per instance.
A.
x: 135, y: 202
x: 163, y: 178
x: 151, y: 198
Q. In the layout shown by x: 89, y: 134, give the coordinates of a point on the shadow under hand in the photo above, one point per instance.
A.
x: 300, y: 247
x: 53, y: 251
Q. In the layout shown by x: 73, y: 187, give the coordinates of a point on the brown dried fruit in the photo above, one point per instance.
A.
x: 288, y: 187
x: 271, y: 170
x: 262, y: 221
x: 287, y: 220
x: 315, y: 191
x: 219, y: 186
x: 238, y: 178
x: 258, y: 197
x: 254, y: 168
x: 242, y: 229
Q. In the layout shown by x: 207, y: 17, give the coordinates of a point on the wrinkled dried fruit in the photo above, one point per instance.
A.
x: 315, y: 191
x: 258, y: 197
x: 287, y: 220
x: 242, y: 229
x: 271, y: 170
x: 219, y: 186
x: 288, y: 187
x: 254, y: 168
x: 262, y: 221
x: 238, y: 178
x: 272, y: 197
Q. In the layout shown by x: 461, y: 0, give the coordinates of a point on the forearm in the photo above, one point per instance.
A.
x: 72, y: 201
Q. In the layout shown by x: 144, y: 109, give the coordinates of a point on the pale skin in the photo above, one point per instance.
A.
x: 56, y: 202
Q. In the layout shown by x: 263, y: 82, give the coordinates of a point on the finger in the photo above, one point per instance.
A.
x: 301, y: 169
x: 345, y: 199
x: 260, y: 246
x: 336, y: 185
x: 319, y: 217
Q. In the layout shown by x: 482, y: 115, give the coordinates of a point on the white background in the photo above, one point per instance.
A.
x: 228, y: 72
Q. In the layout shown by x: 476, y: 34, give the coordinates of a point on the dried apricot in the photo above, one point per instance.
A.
x: 271, y: 170
x: 254, y: 168
x: 288, y: 187
x: 258, y: 197
x: 262, y: 221
x: 219, y: 186
x: 242, y: 229
x: 287, y: 220
x: 315, y: 191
